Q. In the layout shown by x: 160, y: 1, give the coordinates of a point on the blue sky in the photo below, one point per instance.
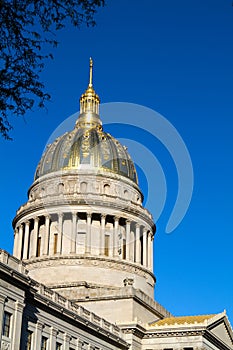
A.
x: 174, y: 57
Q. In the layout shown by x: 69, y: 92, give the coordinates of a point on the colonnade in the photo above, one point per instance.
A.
x: 84, y: 233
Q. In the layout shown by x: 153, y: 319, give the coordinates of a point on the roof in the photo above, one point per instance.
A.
x: 181, y: 320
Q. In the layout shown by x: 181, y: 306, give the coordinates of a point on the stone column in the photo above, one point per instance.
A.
x: 46, y: 238
x: 38, y: 335
x: 102, y: 233
x: 111, y: 241
x: 26, y: 240
x: 138, y: 245
x: 66, y: 341
x: 127, y: 239
x: 52, y: 339
x: 149, y: 248
x: 152, y: 252
x: 115, y: 237
x: 17, y: 326
x: 59, y: 239
x: 144, y: 246
x: 88, y: 240
x: 2, y: 304
x: 20, y: 242
x: 74, y: 233
x: 35, y: 237
x: 16, y: 237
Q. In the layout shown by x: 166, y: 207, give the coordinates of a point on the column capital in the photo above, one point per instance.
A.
x: 74, y: 214
x: 47, y: 216
x: 36, y: 218
x: 39, y: 325
x: 89, y: 215
x: 2, y: 299
x: 128, y: 222
x: 27, y: 223
x: 53, y: 331
x: 21, y: 226
x: 150, y: 234
x: 103, y: 216
x: 116, y: 218
x: 19, y: 306
x: 137, y: 225
x: 67, y: 337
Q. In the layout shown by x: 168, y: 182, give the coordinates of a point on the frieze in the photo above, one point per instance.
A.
x: 87, y: 262
x: 166, y: 334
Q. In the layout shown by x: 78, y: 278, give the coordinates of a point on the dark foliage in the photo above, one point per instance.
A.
x: 27, y: 32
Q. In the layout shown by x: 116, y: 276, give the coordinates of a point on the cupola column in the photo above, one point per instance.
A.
x: 74, y: 233
x: 149, y: 249
x: 46, y: 237
x: 35, y: 237
x: 60, y: 225
x: 88, y: 240
x: 127, y: 240
x: 138, y: 245
x: 20, y: 242
x: 115, y: 236
x: 144, y: 246
x: 16, y: 238
x: 102, y: 233
x: 26, y: 240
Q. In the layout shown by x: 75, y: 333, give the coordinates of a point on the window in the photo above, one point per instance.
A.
x: 44, y: 342
x: 29, y: 340
x: 55, y: 243
x: 106, y: 245
x: 58, y: 346
x: 6, y: 324
x: 38, y: 246
x: 188, y: 348
x: 124, y: 249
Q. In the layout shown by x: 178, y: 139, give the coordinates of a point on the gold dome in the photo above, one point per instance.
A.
x: 87, y: 146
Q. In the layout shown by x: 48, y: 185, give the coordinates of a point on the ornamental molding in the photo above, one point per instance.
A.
x: 88, y: 261
x: 167, y: 333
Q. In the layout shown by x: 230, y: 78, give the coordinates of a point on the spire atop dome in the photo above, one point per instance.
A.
x: 89, y: 105
x: 91, y: 73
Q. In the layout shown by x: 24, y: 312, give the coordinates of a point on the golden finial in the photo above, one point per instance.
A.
x: 89, y: 105
x: 90, y: 77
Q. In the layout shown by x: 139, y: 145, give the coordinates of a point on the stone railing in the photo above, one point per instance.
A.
x: 12, y: 262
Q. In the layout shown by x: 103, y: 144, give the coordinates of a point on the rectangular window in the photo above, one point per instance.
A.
x: 106, y: 245
x: 29, y: 340
x: 6, y: 324
x: 124, y: 249
x: 55, y: 243
x: 38, y: 246
x: 58, y: 346
x: 44, y: 342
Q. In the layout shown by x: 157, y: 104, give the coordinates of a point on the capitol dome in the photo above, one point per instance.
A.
x: 86, y: 148
x: 84, y: 219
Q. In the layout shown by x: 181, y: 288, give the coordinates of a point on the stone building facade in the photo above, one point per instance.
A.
x: 82, y: 272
